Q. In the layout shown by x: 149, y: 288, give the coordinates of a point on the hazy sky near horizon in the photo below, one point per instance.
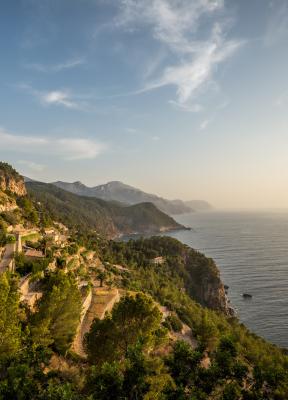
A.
x: 183, y: 98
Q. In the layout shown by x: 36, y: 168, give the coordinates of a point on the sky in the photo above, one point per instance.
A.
x: 183, y: 98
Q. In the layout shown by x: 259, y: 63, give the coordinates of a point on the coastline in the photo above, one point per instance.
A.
x: 137, y: 235
x: 250, y: 250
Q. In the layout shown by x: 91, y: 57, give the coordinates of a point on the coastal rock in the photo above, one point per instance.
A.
x: 204, y: 282
x: 214, y: 296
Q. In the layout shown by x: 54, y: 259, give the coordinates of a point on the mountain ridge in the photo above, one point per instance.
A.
x: 108, y: 217
x: 123, y: 193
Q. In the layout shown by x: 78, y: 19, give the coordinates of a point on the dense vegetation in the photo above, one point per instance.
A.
x: 193, y: 269
x: 130, y: 355
x: 59, y: 309
x: 86, y: 213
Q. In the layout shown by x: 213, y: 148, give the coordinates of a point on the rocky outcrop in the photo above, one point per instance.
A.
x: 11, y: 181
x: 215, y: 297
x: 202, y: 281
x: 7, y: 203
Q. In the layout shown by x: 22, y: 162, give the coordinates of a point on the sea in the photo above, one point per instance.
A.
x: 251, y: 251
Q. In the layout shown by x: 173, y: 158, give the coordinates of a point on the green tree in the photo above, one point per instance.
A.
x: 10, y: 330
x: 23, y: 377
x: 146, y: 377
x: 58, y: 314
x: 183, y: 363
x: 231, y: 392
x: 106, y: 383
x: 133, y: 319
x: 207, y: 331
x: 101, y: 276
x: 225, y: 357
x: 58, y: 391
x: 61, y: 262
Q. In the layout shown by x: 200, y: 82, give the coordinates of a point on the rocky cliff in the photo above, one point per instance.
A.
x: 200, y: 277
x: 6, y: 202
x: 11, y: 181
x: 213, y: 295
x: 204, y: 282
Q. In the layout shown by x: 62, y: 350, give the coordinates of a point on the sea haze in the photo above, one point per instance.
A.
x: 251, y: 251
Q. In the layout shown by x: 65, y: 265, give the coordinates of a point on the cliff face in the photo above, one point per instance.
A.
x: 212, y: 294
x: 11, y: 181
x: 200, y: 277
x: 6, y: 203
x: 203, y: 282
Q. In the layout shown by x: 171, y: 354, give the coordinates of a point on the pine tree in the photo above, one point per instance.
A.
x: 10, y: 330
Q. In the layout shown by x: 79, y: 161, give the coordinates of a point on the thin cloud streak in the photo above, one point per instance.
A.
x: 175, y: 24
x: 62, y: 97
x: 69, y: 64
x: 66, y: 147
x: 277, y: 26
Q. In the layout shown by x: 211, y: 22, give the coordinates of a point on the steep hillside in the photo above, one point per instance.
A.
x: 118, y: 191
x: 109, y: 218
x: 199, y: 275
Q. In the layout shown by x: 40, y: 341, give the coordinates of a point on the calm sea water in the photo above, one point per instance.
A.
x: 251, y: 251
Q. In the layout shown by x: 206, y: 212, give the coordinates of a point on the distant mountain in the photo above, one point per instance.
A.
x: 26, y: 179
x: 199, y: 205
x: 106, y: 217
x: 118, y: 191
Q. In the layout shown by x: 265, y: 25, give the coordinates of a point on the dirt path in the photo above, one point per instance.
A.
x: 102, y: 300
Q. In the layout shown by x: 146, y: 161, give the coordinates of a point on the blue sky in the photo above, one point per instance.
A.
x: 187, y: 99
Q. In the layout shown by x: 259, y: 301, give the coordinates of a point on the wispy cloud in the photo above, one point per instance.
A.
x: 61, y: 97
x: 67, y: 148
x: 277, y: 26
x: 58, y: 97
x: 69, y: 64
x: 177, y: 25
x: 170, y: 20
x: 153, y: 64
x: 213, y: 115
